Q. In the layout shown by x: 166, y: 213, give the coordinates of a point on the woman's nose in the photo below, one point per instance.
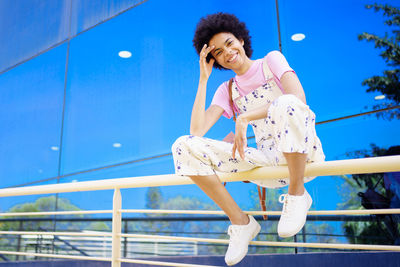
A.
x: 229, y: 52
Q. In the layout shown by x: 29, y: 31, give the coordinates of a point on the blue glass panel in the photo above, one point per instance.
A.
x: 31, y: 107
x: 142, y: 103
x: 86, y: 14
x: 30, y: 27
x: 330, y: 62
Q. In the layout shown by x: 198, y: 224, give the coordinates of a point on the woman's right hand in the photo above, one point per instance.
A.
x: 205, y: 68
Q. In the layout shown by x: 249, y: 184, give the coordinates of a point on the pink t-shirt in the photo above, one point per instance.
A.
x: 252, y: 79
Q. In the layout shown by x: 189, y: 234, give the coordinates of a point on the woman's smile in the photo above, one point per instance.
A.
x: 233, y: 58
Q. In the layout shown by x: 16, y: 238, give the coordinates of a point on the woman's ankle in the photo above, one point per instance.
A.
x: 241, y: 219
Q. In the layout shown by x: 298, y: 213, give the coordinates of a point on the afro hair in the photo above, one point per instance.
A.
x: 220, y: 22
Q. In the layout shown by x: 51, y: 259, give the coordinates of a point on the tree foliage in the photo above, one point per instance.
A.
x: 316, y: 232
x: 389, y: 82
x: 381, y: 229
x: 41, y: 204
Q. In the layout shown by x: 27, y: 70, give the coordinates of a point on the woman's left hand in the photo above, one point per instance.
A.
x: 240, y: 142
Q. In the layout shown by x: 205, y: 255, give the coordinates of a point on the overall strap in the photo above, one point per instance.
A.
x: 267, y: 71
x: 231, y: 100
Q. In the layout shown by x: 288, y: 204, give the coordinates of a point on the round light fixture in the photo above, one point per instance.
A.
x: 380, y: 97
x: 125, y: 54
x: 117, y: 145
x: 298, y: 37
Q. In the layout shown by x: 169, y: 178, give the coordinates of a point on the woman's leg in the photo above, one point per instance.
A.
x: 199, y: 158
x: 294, y: 134
x: 213, y: 187
x: 296, y: 163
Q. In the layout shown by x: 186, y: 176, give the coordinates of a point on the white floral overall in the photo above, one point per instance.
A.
x: 289, y: 127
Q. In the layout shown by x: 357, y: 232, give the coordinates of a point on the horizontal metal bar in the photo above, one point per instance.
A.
x: 203, y: 212
x: 54, y: 256
x: 160, y: 263
x: 337, y: 167
x: 335, y: 218
x: 312, y: 212
x: 270, y: 243
x: 41, y: 213
x: 54, y: 233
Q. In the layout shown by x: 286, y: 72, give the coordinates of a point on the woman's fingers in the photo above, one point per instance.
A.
x: 241, y: 149
x: 205, y: 51
x: 238, y: 145
x: 234, y: 149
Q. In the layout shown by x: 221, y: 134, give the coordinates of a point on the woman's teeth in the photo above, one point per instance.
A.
x: 233, y: 58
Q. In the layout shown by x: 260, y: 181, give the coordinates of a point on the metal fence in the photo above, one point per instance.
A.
x: 116, y: 237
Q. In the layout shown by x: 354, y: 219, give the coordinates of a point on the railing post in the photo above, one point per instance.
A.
x: 116, y: 229
x: 304, y: 237
x: 125, y: 239
x: 19, y: 238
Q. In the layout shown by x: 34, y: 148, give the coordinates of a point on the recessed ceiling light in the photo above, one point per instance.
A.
x: 298, y: 37
x: 125, y: 54
x: 116, y: 145
x: 54, y: 148
x: 380, y: 97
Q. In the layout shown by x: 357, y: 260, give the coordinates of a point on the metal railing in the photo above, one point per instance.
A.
x: 338, y: 167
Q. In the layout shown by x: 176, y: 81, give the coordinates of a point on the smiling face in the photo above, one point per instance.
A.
x: 229, y: 51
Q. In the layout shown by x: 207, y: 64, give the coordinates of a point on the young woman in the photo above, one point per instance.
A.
x: 266, y: 94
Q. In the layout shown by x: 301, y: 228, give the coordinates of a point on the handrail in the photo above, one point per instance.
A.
x: 335, y: 167
x: 55, y: 233
x: 207, y: 212
x: 65, y: 212
x: 338, y: 167
x: 258, y: 243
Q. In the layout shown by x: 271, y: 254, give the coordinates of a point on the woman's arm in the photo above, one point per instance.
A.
x: 202, y: 120
x: 291, y: 85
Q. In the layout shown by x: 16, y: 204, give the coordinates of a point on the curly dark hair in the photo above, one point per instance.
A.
x: 220, y: 22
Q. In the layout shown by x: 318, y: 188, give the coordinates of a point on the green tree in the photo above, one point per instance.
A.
x: 41, y: 204
x: 380, y: 229
x: 98, y: 226
x: 154, y: 198
x: 388, y: 83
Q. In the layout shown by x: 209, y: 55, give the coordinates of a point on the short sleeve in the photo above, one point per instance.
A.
x: 221, y: 98
x: 278, y: 63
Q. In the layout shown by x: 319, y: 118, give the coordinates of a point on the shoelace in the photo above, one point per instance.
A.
x: 234, y: 233
x: 288, y: 204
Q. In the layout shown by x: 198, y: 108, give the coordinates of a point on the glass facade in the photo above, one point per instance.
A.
x: 73, y: 110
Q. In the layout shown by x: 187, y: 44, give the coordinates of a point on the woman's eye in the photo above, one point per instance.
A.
x: 230, y: 43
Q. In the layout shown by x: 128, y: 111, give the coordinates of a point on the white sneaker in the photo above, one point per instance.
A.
x: 294, y: 213
x: 240, y: 236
